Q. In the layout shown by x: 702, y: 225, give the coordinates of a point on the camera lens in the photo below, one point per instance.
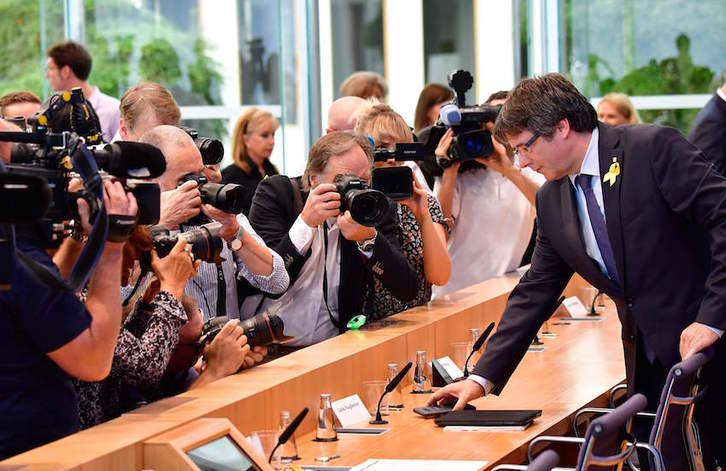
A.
x: 263, y: 329
x: 367, y: 207
x: 212, y: 150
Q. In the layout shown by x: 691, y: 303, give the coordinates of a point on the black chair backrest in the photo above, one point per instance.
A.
x: 545, y: 461
x: 606, y: 443
x: 673, y: 430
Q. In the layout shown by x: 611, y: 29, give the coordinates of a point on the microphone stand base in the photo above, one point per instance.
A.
x: 427, y: 391
x: 378, y: 422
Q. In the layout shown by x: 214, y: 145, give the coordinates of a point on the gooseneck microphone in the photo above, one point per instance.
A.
x: 287, y: 433
x: 390, y: 387
x: 477, y: 345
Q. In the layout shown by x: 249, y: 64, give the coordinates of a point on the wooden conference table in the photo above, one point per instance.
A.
x: 577, y: 368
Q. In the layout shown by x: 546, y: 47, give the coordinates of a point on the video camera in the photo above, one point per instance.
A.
x: 58, y: 145
x: 396, y: 182
x: 211, y: 149
x: 470, y: 140
x: 367, y: 207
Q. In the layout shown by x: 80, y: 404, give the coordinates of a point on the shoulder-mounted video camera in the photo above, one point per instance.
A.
x: 470, y: 140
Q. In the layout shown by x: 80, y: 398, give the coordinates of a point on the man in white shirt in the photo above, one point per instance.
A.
x: 328, y: 255
x: 491, y: 211
x: 68, y: 66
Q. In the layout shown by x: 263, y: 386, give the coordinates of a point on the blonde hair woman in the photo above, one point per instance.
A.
x: 422, y: 229
x: 616, y: 109
x: 252, y: 144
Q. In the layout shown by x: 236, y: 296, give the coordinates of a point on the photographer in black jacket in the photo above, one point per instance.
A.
x: 328, y: 255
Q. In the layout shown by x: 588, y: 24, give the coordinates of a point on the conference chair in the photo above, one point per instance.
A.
x: 545, y: 461
x: 674, y: 442
x: 606, y: 443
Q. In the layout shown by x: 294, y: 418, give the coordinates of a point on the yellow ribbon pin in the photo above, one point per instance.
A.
x: 613, y: 172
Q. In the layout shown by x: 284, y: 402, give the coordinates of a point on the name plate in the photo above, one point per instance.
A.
x: 574, y: 307
x: 350, y: 410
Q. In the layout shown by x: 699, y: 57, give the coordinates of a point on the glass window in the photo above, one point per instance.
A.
x: 644, y: 47
x: 448, y: 39
x: 29, y: 29
x: 357, y: 30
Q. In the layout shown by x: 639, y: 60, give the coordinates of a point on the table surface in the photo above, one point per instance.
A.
x: 576, y: 368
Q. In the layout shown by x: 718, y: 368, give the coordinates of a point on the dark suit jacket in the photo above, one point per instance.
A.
x: 708, y: 132
x: 665, y: 215
x: 272, y: 215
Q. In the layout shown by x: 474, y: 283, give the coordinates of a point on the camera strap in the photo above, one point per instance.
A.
x: 335, y: 321
x: 85, y: 165
x: 221, y: 292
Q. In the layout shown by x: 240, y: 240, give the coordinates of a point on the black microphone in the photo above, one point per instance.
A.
x: 390, y: 387
x: 593, y: 310
x: 25, y: 198
x: 130, y: 160
x: 287, y: 433
x: 477, y: 345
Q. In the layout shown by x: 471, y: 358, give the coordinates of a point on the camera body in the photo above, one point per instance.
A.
x: 212, y: 150
x: 227, y: 197
x: 394, y: 182
x: 367, y: 207
x: 260, y: 330
x: 206, y: 244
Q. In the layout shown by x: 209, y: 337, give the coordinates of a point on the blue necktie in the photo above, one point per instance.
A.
x: 597, y: 221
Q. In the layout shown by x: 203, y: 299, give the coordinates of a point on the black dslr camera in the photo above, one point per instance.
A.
x: 228, y: 198
x: 261, y: 330
x: 396, y: 182
x: 211, y: 149
x: 470, y: 140
x: 206, y: 244
x: 367, y: 207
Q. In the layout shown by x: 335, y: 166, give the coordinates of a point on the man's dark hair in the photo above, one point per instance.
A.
x: 538, y: 104
x: 74, y: 56
x: 500, y: 95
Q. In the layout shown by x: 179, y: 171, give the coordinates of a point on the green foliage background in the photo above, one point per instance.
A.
x: 127, y: 44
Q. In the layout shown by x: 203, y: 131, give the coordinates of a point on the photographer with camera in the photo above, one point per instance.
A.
x: 49, y: 336
x: 422, y: 229
x: 491, y: 209
x: 242, y: 252
x: 334, y: 234
x: 149, y: 334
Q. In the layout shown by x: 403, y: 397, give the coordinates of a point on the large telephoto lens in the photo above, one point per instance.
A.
x: 227, y: 197
x: 263, y: 329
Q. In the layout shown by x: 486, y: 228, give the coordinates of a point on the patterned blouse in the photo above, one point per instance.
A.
x: 380, y: 302
x: 145, y: 345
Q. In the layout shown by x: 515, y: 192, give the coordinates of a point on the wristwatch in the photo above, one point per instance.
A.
x: 367, y: 245
x: 236, y: 243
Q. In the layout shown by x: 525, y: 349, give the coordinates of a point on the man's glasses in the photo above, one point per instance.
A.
x: 527, y: 145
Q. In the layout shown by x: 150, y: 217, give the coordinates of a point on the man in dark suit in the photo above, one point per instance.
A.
x: 708, y: 131
x: 639, y: 213
x: 328, y: 255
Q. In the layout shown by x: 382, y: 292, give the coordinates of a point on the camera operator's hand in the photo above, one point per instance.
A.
x: 174, y: 270
x: 116, y: 200
x: 418, y: 203
x: 180, y: 204
x: 499, y: 161
x: 255, y: 356
x: 442, y: 149
x: 351, y: 230
x: 230, y: 226
x: 227, y: 352
x: 322, y: 203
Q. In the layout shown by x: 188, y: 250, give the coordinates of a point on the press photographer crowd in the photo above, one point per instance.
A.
x: 134, y: 268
